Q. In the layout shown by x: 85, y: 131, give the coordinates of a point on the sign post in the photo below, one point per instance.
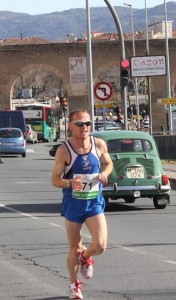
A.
x: 103, y: 91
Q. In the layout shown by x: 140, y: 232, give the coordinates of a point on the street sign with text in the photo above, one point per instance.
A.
x: 143, y: 66
x: 168, y: 101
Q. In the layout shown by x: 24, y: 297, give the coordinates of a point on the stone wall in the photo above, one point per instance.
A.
x: 14, y: 60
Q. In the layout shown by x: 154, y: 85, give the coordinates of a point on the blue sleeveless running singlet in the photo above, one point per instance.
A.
x: 77, y: 206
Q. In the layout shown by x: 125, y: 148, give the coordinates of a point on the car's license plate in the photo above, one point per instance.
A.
x: 10, y: 144
x: 135, y: 172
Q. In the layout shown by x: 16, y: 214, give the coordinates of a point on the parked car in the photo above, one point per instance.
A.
x: 99, y: 126
x: 31, y: 134
x: 12, y: 141
x: 53, y: 149
x: 138, y: 171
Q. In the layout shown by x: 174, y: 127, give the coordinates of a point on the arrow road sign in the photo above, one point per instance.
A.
x: 103, y: 91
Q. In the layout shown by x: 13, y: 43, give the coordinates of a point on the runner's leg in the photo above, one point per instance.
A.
x: 75, y: 246
x: 97, y: 227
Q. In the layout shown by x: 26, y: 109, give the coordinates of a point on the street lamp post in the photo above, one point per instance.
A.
x: 148, y: 78
x: 89, y: 66
x: 89, y: 62
x: 121, y: 39
x: 134, y: 54
x: 168, y: 71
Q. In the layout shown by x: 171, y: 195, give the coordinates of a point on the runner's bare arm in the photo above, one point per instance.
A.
x: 61, y: 158
x: 106, y: 162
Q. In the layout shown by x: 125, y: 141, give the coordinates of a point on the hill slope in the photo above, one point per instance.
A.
x: 58, y: 25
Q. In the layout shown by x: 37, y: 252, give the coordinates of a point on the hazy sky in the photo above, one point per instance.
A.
x: 46, y: 6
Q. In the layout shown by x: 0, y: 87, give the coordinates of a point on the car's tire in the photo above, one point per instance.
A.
x: 156, y: 204
x: 129, y: 200
x: 24, y: 154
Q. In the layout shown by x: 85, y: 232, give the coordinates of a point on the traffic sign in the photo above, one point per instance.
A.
x: 103, y: 91
x: 100, y: 105
x: 168, y: 101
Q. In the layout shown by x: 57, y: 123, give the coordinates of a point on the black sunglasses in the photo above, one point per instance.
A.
x: 82, y: 123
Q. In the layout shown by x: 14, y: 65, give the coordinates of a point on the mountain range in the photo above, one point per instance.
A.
x: 57, y: 26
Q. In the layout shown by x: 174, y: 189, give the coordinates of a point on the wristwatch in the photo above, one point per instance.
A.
x: 68, y: 184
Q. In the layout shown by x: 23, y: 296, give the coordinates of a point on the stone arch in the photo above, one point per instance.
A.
x: 107, y: 72
x: 15, y: 58
x: 40, y: 69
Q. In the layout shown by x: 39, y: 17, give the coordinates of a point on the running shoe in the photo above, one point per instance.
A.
x: 75, y: 290
x: 86, y: 266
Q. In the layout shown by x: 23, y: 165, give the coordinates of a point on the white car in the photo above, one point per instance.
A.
x: 109, y: 126
x: 31, y: 134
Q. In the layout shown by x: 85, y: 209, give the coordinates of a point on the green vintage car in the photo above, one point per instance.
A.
x: 138, y: 170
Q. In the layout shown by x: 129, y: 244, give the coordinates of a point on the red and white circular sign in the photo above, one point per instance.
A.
x: 103, y: 91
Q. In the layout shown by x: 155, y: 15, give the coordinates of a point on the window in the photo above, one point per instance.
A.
x: 128, y: 145
x: 10, y: 133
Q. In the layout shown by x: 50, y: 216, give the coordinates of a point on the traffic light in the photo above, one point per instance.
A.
x: 64, y: 104
x: 124, y: 72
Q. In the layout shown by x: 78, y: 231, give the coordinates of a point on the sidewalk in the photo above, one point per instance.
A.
x: 170, y: 169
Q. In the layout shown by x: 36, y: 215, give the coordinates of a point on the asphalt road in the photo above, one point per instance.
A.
x: 139, y: 264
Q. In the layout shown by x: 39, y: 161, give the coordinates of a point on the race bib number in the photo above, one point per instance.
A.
x: 90, y: 189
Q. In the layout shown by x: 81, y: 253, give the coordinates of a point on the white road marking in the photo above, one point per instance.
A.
x: 28, y: 182
x: 18, y: 212
x: 29, y: 150
x: 55, y: 225
x: 136, y: 251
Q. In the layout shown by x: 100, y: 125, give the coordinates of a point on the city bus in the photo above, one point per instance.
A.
x: 44, y: 118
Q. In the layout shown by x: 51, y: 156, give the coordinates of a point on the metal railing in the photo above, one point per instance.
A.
x: 166, y: 144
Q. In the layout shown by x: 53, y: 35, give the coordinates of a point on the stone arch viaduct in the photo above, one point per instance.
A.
x: 16, y: 59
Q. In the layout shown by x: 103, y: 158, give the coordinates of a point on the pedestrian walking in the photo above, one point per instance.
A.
x: 111, y: 116
x: 77, y: 171
x: 133, y: 124
x: 146, y: 123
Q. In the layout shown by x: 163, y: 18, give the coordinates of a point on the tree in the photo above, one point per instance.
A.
x: 45, y: 83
